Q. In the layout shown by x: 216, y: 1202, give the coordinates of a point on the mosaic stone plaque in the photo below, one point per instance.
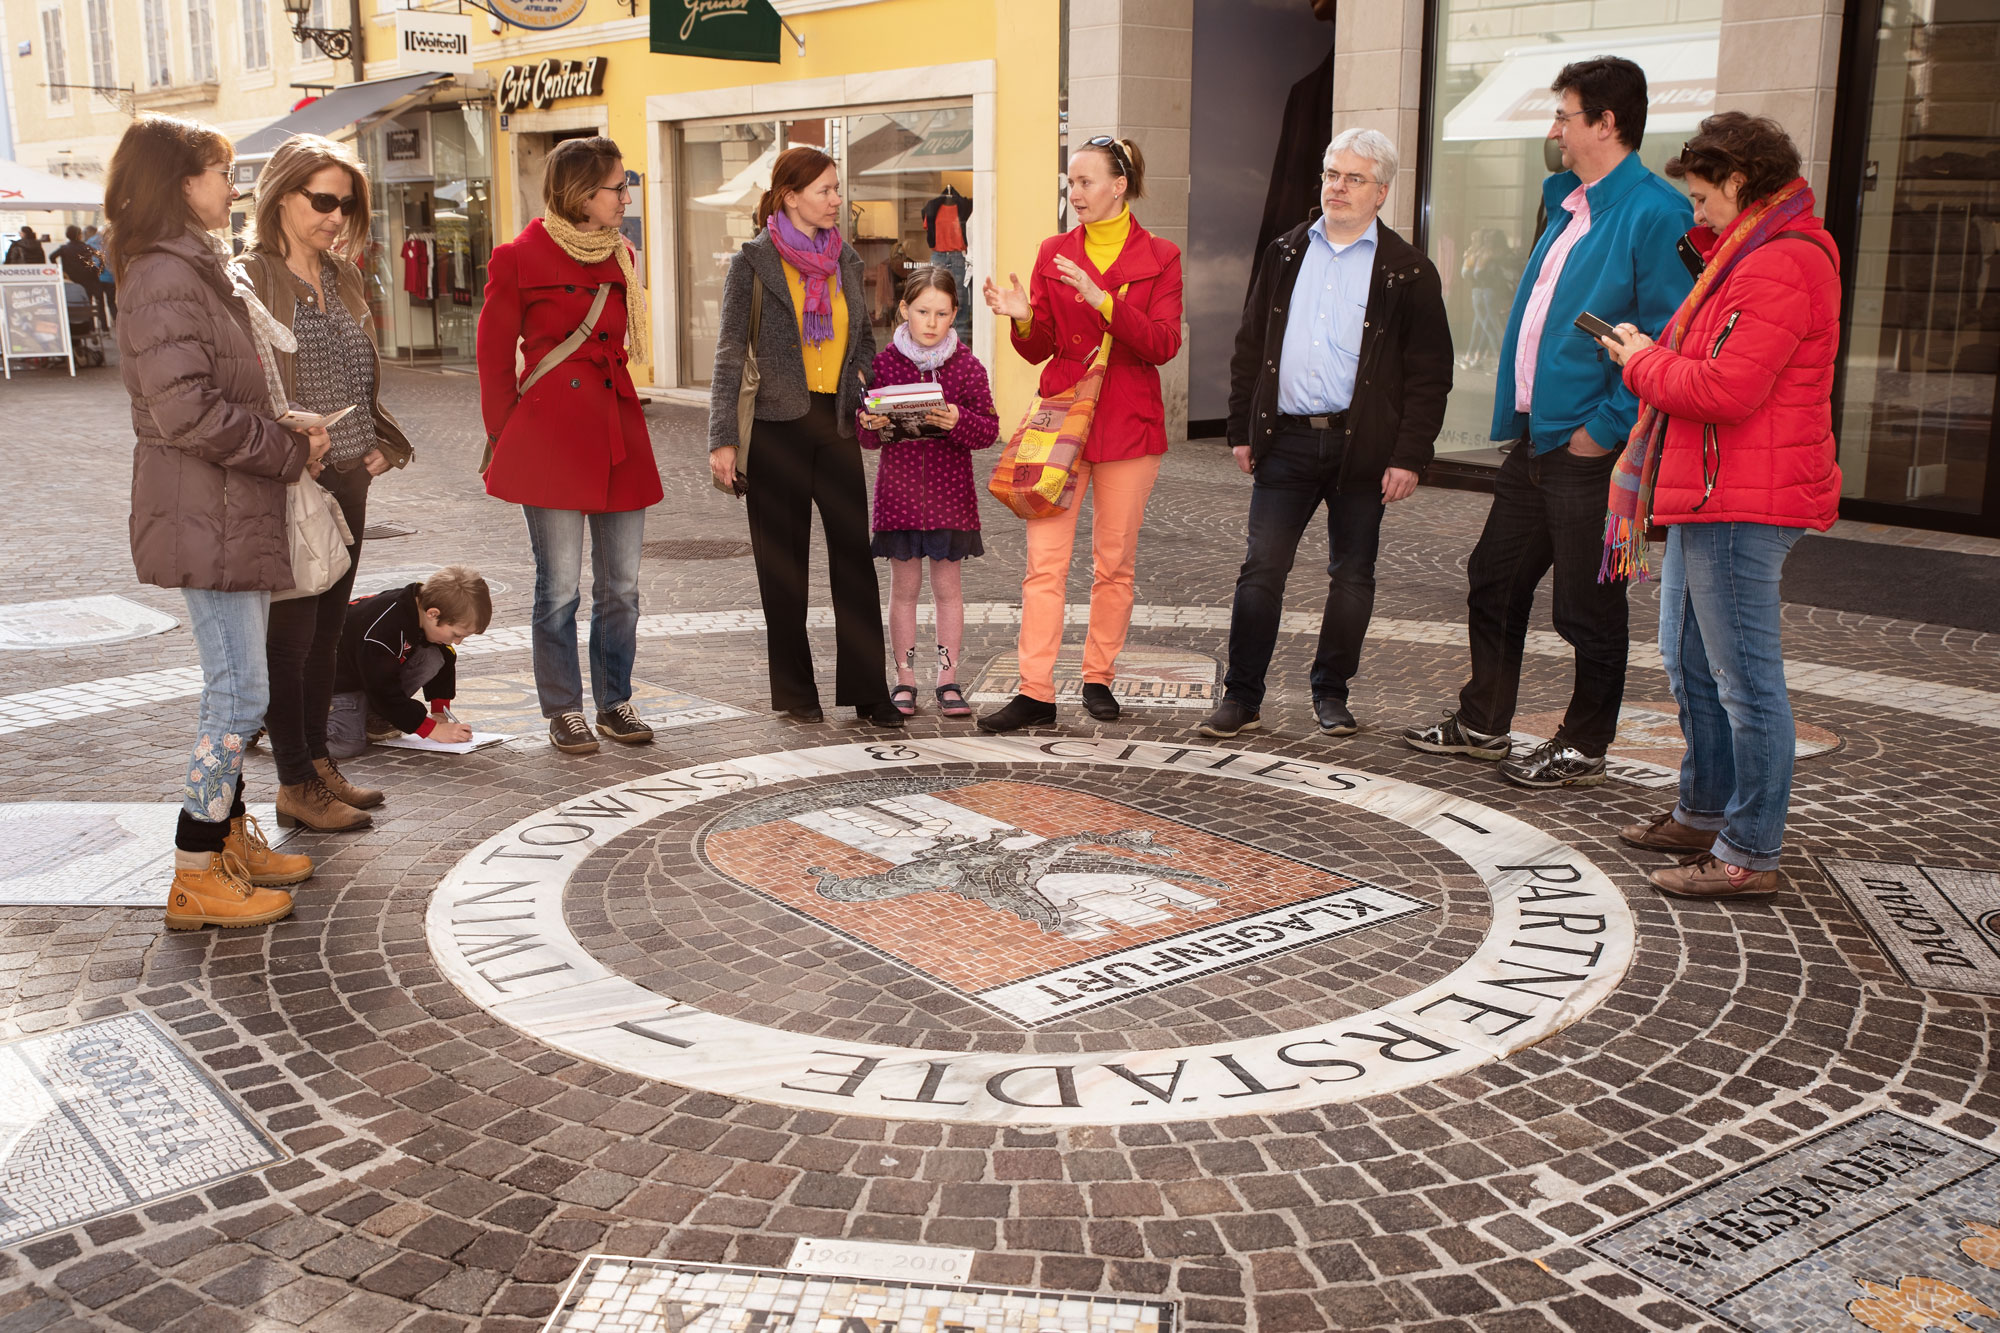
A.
x: 995, y: 890
x: 1881, y: 1223
x: 1148, y: 677
x: 506, y: 701
x: 91, y: 854
x: 1939, y: 925
x: 371, y: 581
x: 76, y: 622
x: 1648, y: 749
x: 104, y: 1117
x: 660, y: 1296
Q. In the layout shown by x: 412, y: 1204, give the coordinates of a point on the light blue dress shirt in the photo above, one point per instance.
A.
x: 1322, y: 349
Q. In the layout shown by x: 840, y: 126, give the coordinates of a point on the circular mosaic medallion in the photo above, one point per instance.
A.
x: 1070, y: 931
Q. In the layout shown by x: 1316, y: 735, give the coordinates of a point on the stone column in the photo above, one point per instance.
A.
x: 1131, y: 74
x: 1378, y: 70
x: 1781, y: 58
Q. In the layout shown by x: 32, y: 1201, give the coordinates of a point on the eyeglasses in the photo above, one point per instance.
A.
x: 624, y: 191
x: 1110, y: 145
x: 226, y: 170
x: 1562, y: 117
x: 326, y: 203
x: 1353, y: 179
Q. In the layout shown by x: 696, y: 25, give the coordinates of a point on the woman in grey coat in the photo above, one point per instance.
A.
x: 209, y: 471
x: 814, y: 348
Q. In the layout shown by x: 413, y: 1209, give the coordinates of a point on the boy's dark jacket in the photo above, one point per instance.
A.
x: 380, y: 634
x: 1404, y: 375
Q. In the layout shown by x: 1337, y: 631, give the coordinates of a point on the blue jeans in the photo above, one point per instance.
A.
x: 557, y: 538
x: 1719, y: 635
x: 953, y: 262
x: 229, y: 630
x: 1301, y: 470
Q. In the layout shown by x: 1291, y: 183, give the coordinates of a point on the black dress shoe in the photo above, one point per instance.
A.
x: 1099, y: 702
x: 1229, y: 718
x: 805, y: 713
x: 1334, y: 719
x: 1018, y: 712
x: 881, y: 714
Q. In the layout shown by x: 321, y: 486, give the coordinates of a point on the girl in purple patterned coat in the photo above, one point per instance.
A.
x: 925, y: 505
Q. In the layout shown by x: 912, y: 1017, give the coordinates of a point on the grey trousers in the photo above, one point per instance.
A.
x: 347, y: 723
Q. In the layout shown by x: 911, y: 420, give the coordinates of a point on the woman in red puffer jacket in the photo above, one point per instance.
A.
x: 1738, y: 437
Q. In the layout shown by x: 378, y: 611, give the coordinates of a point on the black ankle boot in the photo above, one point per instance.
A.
x: 1020, y: 711
x: 883, y: 714
x: 1099, y: 702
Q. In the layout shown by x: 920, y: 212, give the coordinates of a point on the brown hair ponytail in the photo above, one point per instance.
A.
x: 795, y: 169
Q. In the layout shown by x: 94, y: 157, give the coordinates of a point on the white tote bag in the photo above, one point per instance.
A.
x: 319, y: 539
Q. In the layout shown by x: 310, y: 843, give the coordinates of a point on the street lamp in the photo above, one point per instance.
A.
x: 334, y: 43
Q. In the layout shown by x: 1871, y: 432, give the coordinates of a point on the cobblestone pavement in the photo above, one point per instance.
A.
x: 440, y: 1168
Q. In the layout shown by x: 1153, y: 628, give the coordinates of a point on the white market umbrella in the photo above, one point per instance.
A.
x: 25, y: 190
x: 746, y: 187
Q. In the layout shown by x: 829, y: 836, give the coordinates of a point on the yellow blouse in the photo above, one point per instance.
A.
x: 822, y: 362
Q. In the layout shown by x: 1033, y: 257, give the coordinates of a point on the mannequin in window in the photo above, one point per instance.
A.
x: 944, y: 229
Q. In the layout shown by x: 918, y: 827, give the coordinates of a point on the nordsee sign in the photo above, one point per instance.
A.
x: 433, y: 43
x: 539, y: 85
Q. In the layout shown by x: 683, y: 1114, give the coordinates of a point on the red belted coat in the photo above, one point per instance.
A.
x: 1749, y: 395
x: 577, y: 440
x: 1131, y: 419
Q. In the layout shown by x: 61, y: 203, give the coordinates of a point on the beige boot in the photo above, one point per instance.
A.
x: 312, y: 804
x: 220, y: 895
x: 262, y: 866
x: 361, y: 798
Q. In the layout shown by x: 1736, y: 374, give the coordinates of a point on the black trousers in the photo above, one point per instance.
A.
x: 302, y: 643
x: 793, y: 466
x: 1548, y: 513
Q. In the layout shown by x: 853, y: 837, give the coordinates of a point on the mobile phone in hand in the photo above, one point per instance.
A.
x: 1594, y: 326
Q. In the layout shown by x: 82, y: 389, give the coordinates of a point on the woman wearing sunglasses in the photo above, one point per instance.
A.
x: 1108, y: 274
x: 209, y: 468
x: 311, y: 222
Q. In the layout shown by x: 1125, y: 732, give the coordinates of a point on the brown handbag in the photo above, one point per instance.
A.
x: 746, y: 394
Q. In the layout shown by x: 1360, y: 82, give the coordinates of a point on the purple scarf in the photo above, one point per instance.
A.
x: 818, y: 262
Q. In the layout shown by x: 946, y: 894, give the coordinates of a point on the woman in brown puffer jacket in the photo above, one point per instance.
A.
x: 209, y: 472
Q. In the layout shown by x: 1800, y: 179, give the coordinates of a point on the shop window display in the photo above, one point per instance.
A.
x: 431, y: 232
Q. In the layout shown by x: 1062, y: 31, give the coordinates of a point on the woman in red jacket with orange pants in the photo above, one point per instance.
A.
x: 572, y: 450
x: 1108, y: 273
x: 1734, y: 454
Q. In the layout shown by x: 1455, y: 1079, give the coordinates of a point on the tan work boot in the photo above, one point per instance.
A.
x: 361, y: 798
x: 262, y: 866
x: 314, y: 805
x: 219, y: 895
x: 1705, y: 877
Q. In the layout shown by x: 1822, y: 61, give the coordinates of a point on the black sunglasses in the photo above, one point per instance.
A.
x: 1118, y: 158
x: 326, y: 203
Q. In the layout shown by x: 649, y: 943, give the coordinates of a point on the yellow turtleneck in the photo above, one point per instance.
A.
x: 1102, y: 243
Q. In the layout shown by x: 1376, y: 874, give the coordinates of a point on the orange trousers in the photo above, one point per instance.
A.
x: 1119, y: 489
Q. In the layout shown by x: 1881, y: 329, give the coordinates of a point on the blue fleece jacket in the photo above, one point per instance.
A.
x: 1624, y: 269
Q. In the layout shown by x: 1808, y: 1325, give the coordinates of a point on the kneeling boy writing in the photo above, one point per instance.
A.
x: 397, y: 643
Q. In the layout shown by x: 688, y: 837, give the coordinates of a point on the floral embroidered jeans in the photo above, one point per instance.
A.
x: 229, y: 629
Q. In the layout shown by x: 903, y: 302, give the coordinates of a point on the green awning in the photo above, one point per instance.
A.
x: 716, y: 29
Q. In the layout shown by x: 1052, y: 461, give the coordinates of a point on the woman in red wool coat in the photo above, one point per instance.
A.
x: 572, y: 450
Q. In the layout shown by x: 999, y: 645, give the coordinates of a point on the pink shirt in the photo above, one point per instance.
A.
x: 1529, y: 344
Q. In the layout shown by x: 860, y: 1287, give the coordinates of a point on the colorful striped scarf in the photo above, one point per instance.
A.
x: 1631, y: 501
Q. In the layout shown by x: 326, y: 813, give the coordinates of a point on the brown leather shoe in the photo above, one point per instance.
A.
x: 1705, y: 877
x: 361, y: 798
x: 220, y: 895
x: 312, y: 804
x: 1667, y: 834
x: 262, y: 866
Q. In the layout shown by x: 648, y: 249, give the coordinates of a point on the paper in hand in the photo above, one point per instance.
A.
x: 302, y: 420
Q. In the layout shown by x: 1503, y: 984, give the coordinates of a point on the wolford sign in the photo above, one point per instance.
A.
x: 539, y: 85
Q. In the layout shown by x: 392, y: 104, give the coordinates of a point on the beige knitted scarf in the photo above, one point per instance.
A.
x: 594, y: 247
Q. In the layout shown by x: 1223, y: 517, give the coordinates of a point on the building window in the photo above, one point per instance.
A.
x: 55, y: 60
x: 1492, y: 66
x: 201, y: 41
x: 895, y: 164
x: 315, y: 18
x: 155, y: 35
x: 97, y: 31
x: 256, y: 35
x: 1922, y: 347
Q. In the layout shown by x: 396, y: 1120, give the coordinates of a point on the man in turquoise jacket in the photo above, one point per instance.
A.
x: 1609, y: 249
